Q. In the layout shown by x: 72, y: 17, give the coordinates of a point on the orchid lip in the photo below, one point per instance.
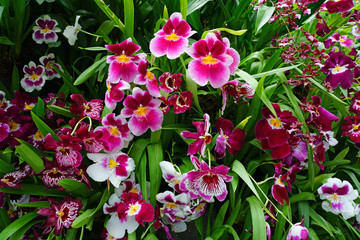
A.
x: 338, y: 69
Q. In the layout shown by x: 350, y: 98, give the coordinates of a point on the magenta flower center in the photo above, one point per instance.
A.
x: 207, y: 139
x: 209, y: 59
x: 141, y: 111
x: 211, y: 178
x: 123, y: 58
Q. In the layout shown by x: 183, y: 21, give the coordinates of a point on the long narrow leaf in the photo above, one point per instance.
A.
x: 89, y: 71
x: 258, y: 218
x: 43, y: 128
x: 30, y: 157
x: 155, y: 156
x: 240, y: 170
x: 75, y: 187
x: 17, y: 225
x: 129, y: 18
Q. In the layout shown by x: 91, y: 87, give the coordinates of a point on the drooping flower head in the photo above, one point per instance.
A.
x: 47, y: 62
x: 92, y: 109
x: 114, y: 93
x: 181, y: 102
x: 229, y: 138
x: 172, y: 39
x: 237, y: 90
x: 62, y: 215
x: 298, y: 232
x: 171, y: 175
x: 115, y: 132
x: 45, y: 30
x: 339, y: 197
x: 231, y: 51
x: 143, y: 111
x: 71, y: 32
x: 338, y: 69
x: 207, y: 182
x: 34, y: 77
x: 211, y: 62
x: 113, y: 166
x: 202, y: 136
x: 321, y: 26
x: 170, y: 82
x: 122, y: 65
x: 148, y: 78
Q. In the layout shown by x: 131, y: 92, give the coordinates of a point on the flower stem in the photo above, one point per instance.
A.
x: 143, y: 235
x: 78, y: 123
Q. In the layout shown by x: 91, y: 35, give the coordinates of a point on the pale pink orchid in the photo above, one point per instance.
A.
x: 211, y: 62
x: 172, y: 39
x: 122, y: 65
x: 143, y: 111
x: 113, y: 166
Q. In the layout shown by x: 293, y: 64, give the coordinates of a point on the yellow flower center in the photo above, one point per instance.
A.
x: 355, y: 127
x: 112, y: 163
x: 62, y: 149
x: 80, y: 173
x: 199, y: 207
x: 133, y: 209
x: 87, y: 107
x: 338, y: 69
x: 2, y: 104
x: 176, y: 181
x: 29, y: 107
x: 133, y: 190
x: 13, y: 125
x: 141, y: 111
x: 172, y: 37
x: 46, y: 30
x: 5, y: 180
x: 38, y: 135
x: 111, y: 237
x: 60, y: 214
x: 342, y: 40
x: 34, y: 76
x: 108, y: 87
x: 114, y: 131
x: 171, y: 205
x: 279, y: 181
x: 123, y: 58
x: 275, y: 122
x: 48, y: 65
x: 334, y: 197
x: 150, y: 75
x: 55, y: 171
x: 209, y: 59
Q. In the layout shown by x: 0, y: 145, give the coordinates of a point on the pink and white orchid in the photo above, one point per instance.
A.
x: 34, y: 77
x: 148, y: 78
x: 143, y: 111
x: 48, y: 62
x: 114, y: 93
x: 45, y: 30
x: 172, y: 39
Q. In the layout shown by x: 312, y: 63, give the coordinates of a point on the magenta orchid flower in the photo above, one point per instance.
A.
x: 13, y: 179
x: 207, y: 182
x: 90, y: 140
x: 355, y: 106
x: 4, y: 131
x: 339, y: 197
x: 148, y: 78
x: 91, y: 109
x: 143, y: 111
x: 181, y: 102
x: 202, y: 136
x: 171, y: 176
x: 229, y: 138
x: 338, y: 69
x: 45, y: 30
x: 127, y: 212
x: 321, y: 27
x: 170, y: 82
x: 122, y: 65
x: 351, y: 127
x: 34, y: 77
x: 67, y: 152
x: 279, y: 192
x: 113, y: 166
x: 334, y: 6
x: 62, y: 215
x: 343, y: 40
x: 52, y: 174
x: 115, y: 132
x: 298, y: 232
x: 48, y: 62
x: 114, y: 93
x: 211, y: 62
x: 237, y: 90
x: 4, y: 103
x: 172, y: 39
x: 24, y: 101
x: 231, y: 51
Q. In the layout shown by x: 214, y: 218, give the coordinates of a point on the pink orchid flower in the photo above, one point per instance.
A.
x: 114, y: 93
x: 148, y: 78
x: 172, y: 39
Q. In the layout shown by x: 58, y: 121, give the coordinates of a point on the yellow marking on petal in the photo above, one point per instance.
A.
x: 38, y: 135
x: 60, y: 214
x: 62, y: 149
x: 87, y: 107
x: 171, y: 205
x: 337, y: 69
x: 141, y: 111
x: 172, y: 37
x: 48, y: 65
x: 5, y: 180
x: 13, y: 125
x: 275, y: 122
x: 279, y: 181
x: 342, y: 40
x: 114, y: 131
x: 334, y: 198
x: 209, y: 59
x: 133, y: 190
x: 133, y: 209
x: 55, y: 171
x: 123, y: 58
x: 112, y: 163
x: 29, y: 107
x: 111, y: 237
x: 149, y: 75
x: 199, y: 207
x: 46, y: 30
x: 176, y: 181
x: 2, y: 104
x: 108, y: 87
x: 355, y: 127
x: 34, y: 76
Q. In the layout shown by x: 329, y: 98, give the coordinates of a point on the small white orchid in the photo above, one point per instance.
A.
x: 71, y: 32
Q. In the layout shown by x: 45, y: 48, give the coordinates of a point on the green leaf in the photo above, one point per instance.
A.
x: 35, y: 190
x: 322, y: 222
x: 30, y: 157
x: 6, y: 167
x: 38, y: 109
x: 192, y: 87
x: 89, y: 71
x: 219, y: 221
x: 194, y: 5
x: 258, y: 218
x: 240, y: 170
x: 264, y: 14
x: 43, y: 128
x: 303, y: 196
x: 39, y: 204
x: 4, y: 40
x: 67, y: 80
x: 17, y: 225
x: 129, y: 18
x: 183, y: 8
x: 71, y: 234
x: 94, y: 48
x: 75, y: 187
x: 15, y: 79
x: 84, y: 218
x: 274, y: 71
x: 142, y: 169
x: 110, y: 14
x: 280, y: 225
x: 19, y: 234
x: 233, y: 32
x: 150, y: 236
x: 61, y: 111
x: 137, y: 149
x: 34, y: 149
x: 155, y: 156
x: 4, y: 218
